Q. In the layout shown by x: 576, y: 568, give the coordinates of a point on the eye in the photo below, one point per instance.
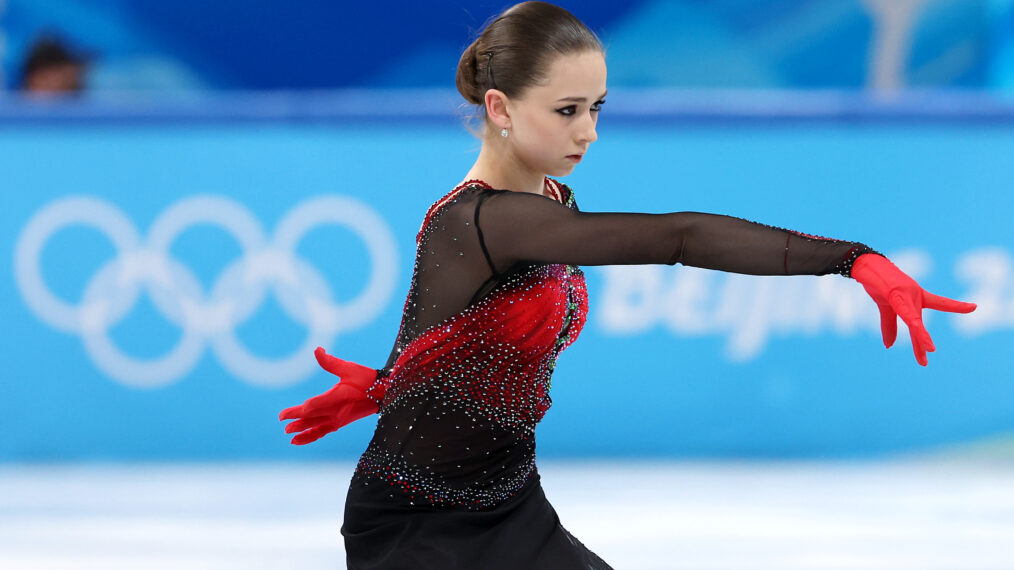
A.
x: 571, y: 110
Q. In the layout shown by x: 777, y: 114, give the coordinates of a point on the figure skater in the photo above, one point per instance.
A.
x: 449, y: 478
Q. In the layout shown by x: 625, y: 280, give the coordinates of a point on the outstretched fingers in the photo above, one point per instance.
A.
x: 311, y: 435
x: 293, y: 413
x: 312, y: 406
x: 332, y: 364
x: 888, y: 324
x: 918, y: 348
x: 921, y: 341
x: 334, y: 395
x: 307, y: 423
x: 938, y: 303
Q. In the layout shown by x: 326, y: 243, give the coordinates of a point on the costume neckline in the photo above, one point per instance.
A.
x: 554, y: 187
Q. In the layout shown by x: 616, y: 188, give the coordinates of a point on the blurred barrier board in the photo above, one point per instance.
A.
x: 162, y: 46
x: 165, y: 277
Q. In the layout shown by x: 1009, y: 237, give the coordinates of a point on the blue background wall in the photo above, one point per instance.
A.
x: 673, y: 361
x: 269, y: 44
x: 319, y: 132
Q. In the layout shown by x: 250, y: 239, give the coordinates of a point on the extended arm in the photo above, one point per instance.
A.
x: 518, y: 226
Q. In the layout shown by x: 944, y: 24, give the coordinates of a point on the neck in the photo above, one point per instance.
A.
x: 501, y: 169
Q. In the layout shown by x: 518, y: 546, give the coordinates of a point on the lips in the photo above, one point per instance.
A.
x: 575, y: 157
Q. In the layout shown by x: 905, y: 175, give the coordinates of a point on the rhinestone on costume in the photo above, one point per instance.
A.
x: 464, y: 394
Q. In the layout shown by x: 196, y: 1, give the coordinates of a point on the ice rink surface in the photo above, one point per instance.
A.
x: 696, y: 515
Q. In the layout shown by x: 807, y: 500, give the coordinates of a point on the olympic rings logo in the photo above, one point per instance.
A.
x: 265, y: 266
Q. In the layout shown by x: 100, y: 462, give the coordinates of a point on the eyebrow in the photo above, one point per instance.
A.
x: 579, y: 99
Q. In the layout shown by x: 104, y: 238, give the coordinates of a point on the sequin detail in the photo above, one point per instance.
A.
x: 845, y: 266
x: 462, y: 399
x: 505, y: 345
x: 419, y: 487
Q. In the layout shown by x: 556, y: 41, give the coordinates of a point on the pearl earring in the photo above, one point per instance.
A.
x: 504, y: 132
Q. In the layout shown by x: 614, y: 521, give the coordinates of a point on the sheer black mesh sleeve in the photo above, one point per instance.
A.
x: 518, y: 226
x: 473, y: 240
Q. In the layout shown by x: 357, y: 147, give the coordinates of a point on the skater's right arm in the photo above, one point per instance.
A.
x: 355, y: 396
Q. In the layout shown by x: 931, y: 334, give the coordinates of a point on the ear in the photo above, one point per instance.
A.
x: 496, y: 107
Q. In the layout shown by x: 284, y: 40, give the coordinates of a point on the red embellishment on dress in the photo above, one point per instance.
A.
x: 464, y: 395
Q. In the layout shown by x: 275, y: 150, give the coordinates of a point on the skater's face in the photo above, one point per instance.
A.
x: 553, y: 123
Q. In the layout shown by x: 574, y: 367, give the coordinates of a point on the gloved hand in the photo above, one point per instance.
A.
x: 343, y: 404
x: 898, y: 295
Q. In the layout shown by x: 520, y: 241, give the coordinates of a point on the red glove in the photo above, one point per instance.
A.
x: 349, y: 400
x: 898, y: 295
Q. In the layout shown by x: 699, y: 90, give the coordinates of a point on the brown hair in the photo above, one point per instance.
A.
x: 514, y: 50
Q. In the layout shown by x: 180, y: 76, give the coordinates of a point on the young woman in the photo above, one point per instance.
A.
x: 449, y: 479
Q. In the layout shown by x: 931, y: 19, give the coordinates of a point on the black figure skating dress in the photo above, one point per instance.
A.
x: 449, y: 479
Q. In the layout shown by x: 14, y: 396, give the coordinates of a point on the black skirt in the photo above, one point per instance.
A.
x: 523, y: 532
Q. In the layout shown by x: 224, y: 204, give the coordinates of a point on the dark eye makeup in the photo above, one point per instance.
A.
x: 569, y: 110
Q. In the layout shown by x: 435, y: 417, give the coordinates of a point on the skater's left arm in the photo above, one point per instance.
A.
x: 522, y: 226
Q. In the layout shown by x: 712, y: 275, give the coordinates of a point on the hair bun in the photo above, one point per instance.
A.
x: 466, y: 79
x: 525, y: 38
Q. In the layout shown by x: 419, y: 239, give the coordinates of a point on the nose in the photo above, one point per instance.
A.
x: 587, y: 134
